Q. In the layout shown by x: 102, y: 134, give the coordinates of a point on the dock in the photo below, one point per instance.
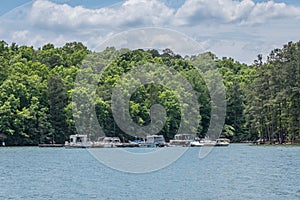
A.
x: 51, y: 145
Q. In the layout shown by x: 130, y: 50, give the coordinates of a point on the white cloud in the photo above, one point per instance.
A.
x: 47, y: 14
x: 270, y: 10
x: 225, y: 27
x: 154, y: 38
x: 20, y: 35
x: 195, y: 12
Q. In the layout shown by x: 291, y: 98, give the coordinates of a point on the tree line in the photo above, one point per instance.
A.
x: 38, y: 87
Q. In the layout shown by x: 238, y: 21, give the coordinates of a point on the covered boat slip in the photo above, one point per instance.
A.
x: 82, y: 141
x: 184, y: 140
x: 152, y: 141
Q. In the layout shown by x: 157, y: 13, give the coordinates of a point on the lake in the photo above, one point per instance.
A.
x: 239, y: 171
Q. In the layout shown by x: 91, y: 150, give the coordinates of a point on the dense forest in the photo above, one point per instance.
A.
x: 37, y: 87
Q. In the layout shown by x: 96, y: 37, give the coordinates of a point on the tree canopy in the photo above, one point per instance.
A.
x: 38, y: 87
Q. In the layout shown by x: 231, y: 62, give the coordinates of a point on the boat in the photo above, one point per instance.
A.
x: 134, y: 143
x: 130, y: 144
x: 183, y: 140
x: 203, y: 142
x: 196, y: 143
x: 107, y: 142
x: 78, y: 141
x: 153, y: 141
x: 222, y: 142
x: 208, y: 142
x: 82, y: 141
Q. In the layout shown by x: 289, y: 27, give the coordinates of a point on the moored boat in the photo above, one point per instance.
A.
x: 222, y: 142
x: 107, y: 142
x: 208, y: 142
x: 183, y: 140
x: 78, y: 141
x: 203, y: 142
x: 153, y: 141
x: 82, y: 141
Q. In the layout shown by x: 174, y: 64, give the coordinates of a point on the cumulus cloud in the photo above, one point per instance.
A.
x: 270, y: 10
x: 226, y: 27
x: 131, y: 13
x: 135, y: 13
x: 195, y: 12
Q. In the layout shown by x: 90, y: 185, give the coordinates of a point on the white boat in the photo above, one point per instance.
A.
x: 196, y: 143
x: 184, y: 140
x: 203, y: 142
x: 222, y: 142
x: 82, y: 141
x: 153, y: 141
x: 187, y: 140
x: 78, y: 141
x: 208, y: 142
x: 107, y: 142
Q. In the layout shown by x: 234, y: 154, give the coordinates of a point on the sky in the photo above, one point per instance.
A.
x: 240, y: 29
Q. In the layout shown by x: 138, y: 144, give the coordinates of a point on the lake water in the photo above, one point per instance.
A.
x: 234, y: 172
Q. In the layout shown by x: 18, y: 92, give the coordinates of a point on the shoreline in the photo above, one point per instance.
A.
x: 233, y: 143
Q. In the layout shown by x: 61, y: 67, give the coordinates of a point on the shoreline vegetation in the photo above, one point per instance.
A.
x: 37, y: 86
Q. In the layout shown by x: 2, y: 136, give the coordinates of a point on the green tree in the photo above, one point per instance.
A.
x: 57, y: 101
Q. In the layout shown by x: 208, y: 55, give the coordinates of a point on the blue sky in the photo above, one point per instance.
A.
x: 238, y: 29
